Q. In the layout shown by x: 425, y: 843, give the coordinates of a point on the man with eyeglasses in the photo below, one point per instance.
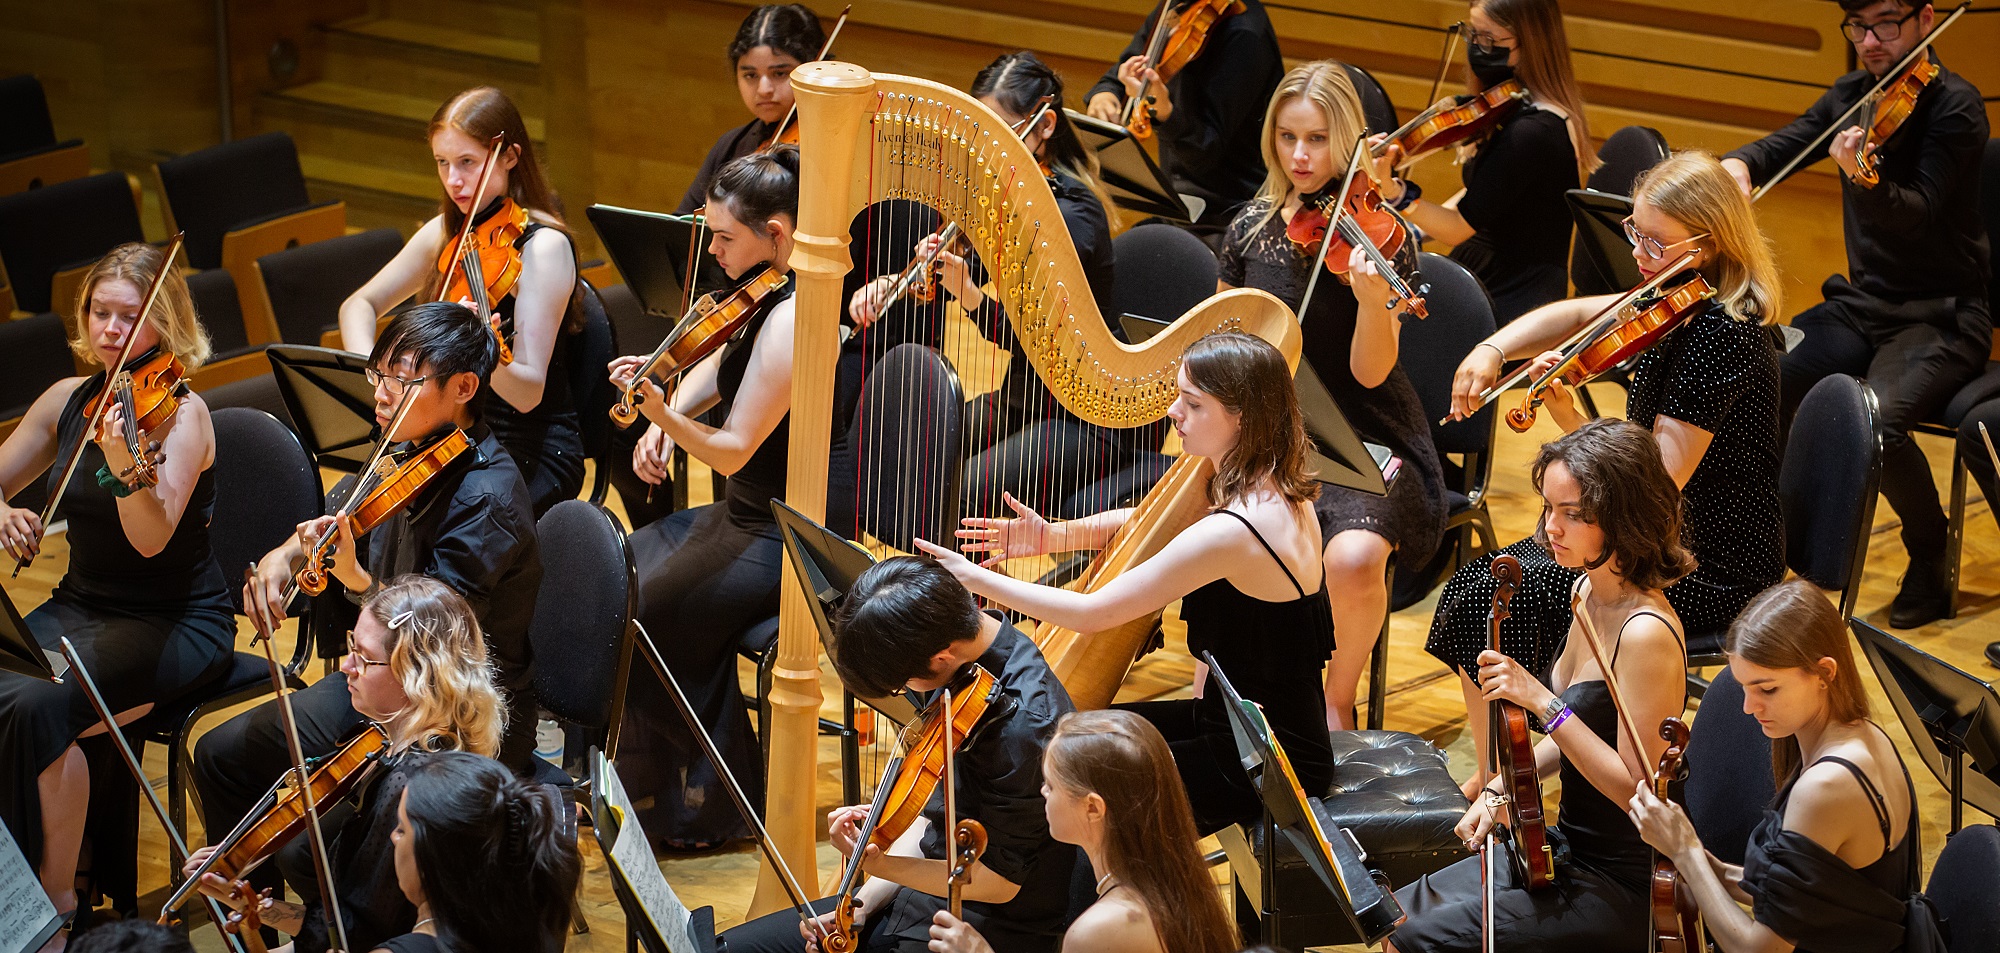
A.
x: 1911, y: 315
x: 472, y: 528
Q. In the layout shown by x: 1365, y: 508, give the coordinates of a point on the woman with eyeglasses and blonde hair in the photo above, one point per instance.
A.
x: 1708, y: 392
x: 416, y: 666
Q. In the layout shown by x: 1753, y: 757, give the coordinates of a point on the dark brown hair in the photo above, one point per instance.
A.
x: 1793, y: 625
x: 1851, y: 7
x: 482, y: 113
x: 787, y: 28
x: 1149, y: 833
x: 1628, y: 494
x: 759, y: 187
x: 1251, y: 379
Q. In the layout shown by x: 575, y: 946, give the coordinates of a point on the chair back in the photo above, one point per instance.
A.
x: 582, y: 627
x: 1729, y: 780
x: 1626, y: 155
x: 1163, y: 271
x: 61, y: 226
x: 1827, y: 484
x: 1376, y: 106
x: 590, y: 388
x: 306, y: 284
x: 1962, y: 887
x: 34, y: 355
x: 265, y: 486
x: 220, y: 310
x: 25, y: 123
x: 1989, y: 203
x: 1601, y: 262
x: 214, y: 190
x: 910, y: 420
x: 1461, y: 316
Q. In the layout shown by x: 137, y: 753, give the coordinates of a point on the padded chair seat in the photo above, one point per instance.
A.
x: 758, y: 639
x: 1983, y: 388
x: 1456, y: 502
x: 1391, y: 789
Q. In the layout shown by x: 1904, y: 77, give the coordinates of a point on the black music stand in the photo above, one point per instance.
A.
x: 1132, y: 178
x: 651, y: 252
x: 1338, y: 859
x: 1337, y: 453
x: 650, y: 899
x: 332, y: 405
x: 1600, y: 237
x: 21, y: 653
x: 828, y: 563
x: 1952, y: 718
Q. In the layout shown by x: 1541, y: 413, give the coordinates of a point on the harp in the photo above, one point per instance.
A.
x: 868, y: 138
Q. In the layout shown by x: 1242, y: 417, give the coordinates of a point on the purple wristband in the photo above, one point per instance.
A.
x: 1556, y: 722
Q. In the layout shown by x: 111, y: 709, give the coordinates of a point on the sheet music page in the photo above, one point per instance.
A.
x: 632, y: 860
x: 25, y: 911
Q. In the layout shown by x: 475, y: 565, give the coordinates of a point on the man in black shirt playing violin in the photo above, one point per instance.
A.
x: 908, y: 626
x: 1911, y: 315
x: 471, y: 527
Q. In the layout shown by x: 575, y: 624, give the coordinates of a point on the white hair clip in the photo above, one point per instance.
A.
x: 398, y: 620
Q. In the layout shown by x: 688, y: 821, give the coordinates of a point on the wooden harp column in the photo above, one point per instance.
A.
x: 866, y: 138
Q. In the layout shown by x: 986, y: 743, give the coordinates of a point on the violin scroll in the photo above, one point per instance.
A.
x: 247, y: 923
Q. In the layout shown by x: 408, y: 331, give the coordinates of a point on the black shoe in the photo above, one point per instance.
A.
x: 1993, y: 654
x: 1924, y: 598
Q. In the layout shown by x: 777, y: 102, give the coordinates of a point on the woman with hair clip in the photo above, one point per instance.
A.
x: 416, y: 666
x: 1835, y: 859
x: 1709, y: 394
x: 534, y: 418
x: 1242, y: 570
x: 1352, y: 343
x: 1510, y: 225
x: 1110, y: 789
x: 1609, y: 510
x: 1024, y: 447
x: 141, y: 598
x: 481, y: 855
x: 707, y: 574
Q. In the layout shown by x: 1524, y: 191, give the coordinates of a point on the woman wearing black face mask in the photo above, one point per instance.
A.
x: 1509, y: 224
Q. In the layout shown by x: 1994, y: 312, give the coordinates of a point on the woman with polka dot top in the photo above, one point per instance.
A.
x: 1709, y: 394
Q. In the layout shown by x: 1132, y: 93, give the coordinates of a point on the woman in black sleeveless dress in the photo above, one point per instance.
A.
x: 534, y: 415
x: 1834, y: 860
x: 1609, y: 505
x: 1352, y: 344
x: 142, y: 598
x: 1239, y: 573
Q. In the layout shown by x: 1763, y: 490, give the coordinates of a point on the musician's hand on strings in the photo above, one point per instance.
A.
x: 1846, y: 150
x: 652, y: 455
x: 1663, y: 825
x: 212, y: 884
x: 957, y: 277
x: 949, y: 934
x: 1740, y: 171
x: 1131, y: 74
x: 1475, y: 376
x: 1104, y: 106
x: 1502, y: 678
x: 868, y: 302
x: 1561, y: 405
x: 21, y: 532
x: 623, y: 369
x: 843, y: 827
x: 1026, y: 534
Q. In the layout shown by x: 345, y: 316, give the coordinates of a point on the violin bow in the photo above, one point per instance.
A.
x: 1869, y: 100
x: 174, y: 838
x: 96, y: 420
x: 824, y: 49
x: 1589, y: 628
x: 1991, y: 454
x: 1592, y: 330
x: 1451, y: 35
x: 465, y: 230
x: 950, y: 833
x: 1153, y: 45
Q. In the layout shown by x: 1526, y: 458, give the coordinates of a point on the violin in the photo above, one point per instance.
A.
x: 1457, y: 119
x: 283, y: 812
x: 1644, y: 322
x: 1886, y: 112
x: 1170, y: 51
x: 1514, y: 754
x: 483, y: 264
x: 150, y: 390
x: 1676, y: 917
x: 713, y: 321
x: 908, y: 783
x: 1360, y: 219
x: 395, y: 484
x: 247, y: 924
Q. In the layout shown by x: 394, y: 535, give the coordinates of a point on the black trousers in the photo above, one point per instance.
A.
x: 778, y: 932
x: 1914, y: 356
x: 1972, y: 448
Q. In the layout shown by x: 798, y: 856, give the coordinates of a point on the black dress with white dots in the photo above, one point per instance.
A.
x: 1718, y: 373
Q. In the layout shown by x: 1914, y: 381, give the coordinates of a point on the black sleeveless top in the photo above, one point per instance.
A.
x: 762, y: 477
x: 1255, y: 637
x: 556, y: 407
x: 103, y: 566
x: 1599, y: 832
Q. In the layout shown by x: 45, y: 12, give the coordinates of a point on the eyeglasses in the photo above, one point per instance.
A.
x: 397, y: 386
x: 1885, y: 32
x: 1648, y: 244
x: 354, y: 652
x: 1485, y: 42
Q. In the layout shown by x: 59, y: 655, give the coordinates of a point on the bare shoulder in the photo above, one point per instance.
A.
x: 1113, y: 925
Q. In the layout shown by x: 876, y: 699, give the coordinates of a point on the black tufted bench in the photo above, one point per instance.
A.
x: 1391, y: 789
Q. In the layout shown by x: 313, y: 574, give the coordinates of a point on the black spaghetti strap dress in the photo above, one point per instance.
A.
x: 1272, y: 653
x: 149, y: 629
x: 546, y: 440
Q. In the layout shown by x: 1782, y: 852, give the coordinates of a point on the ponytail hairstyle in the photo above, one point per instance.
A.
x: 1325, y: 84
x: 482, y: 113
x: 789, y: 28
x: 173, y: 315
x: 497, y: 869
x: 1019, y: 81
x: 1545, y: 67
x: 759, y: 187
x: 1250, y: 378
x: 438, y: 656
x: 1149, y: 833
x: 1793, y: 625
x: 1696, y: 191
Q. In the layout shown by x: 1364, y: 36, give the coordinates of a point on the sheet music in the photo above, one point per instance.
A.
x: 26, y: 915
x: 632, y: 860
